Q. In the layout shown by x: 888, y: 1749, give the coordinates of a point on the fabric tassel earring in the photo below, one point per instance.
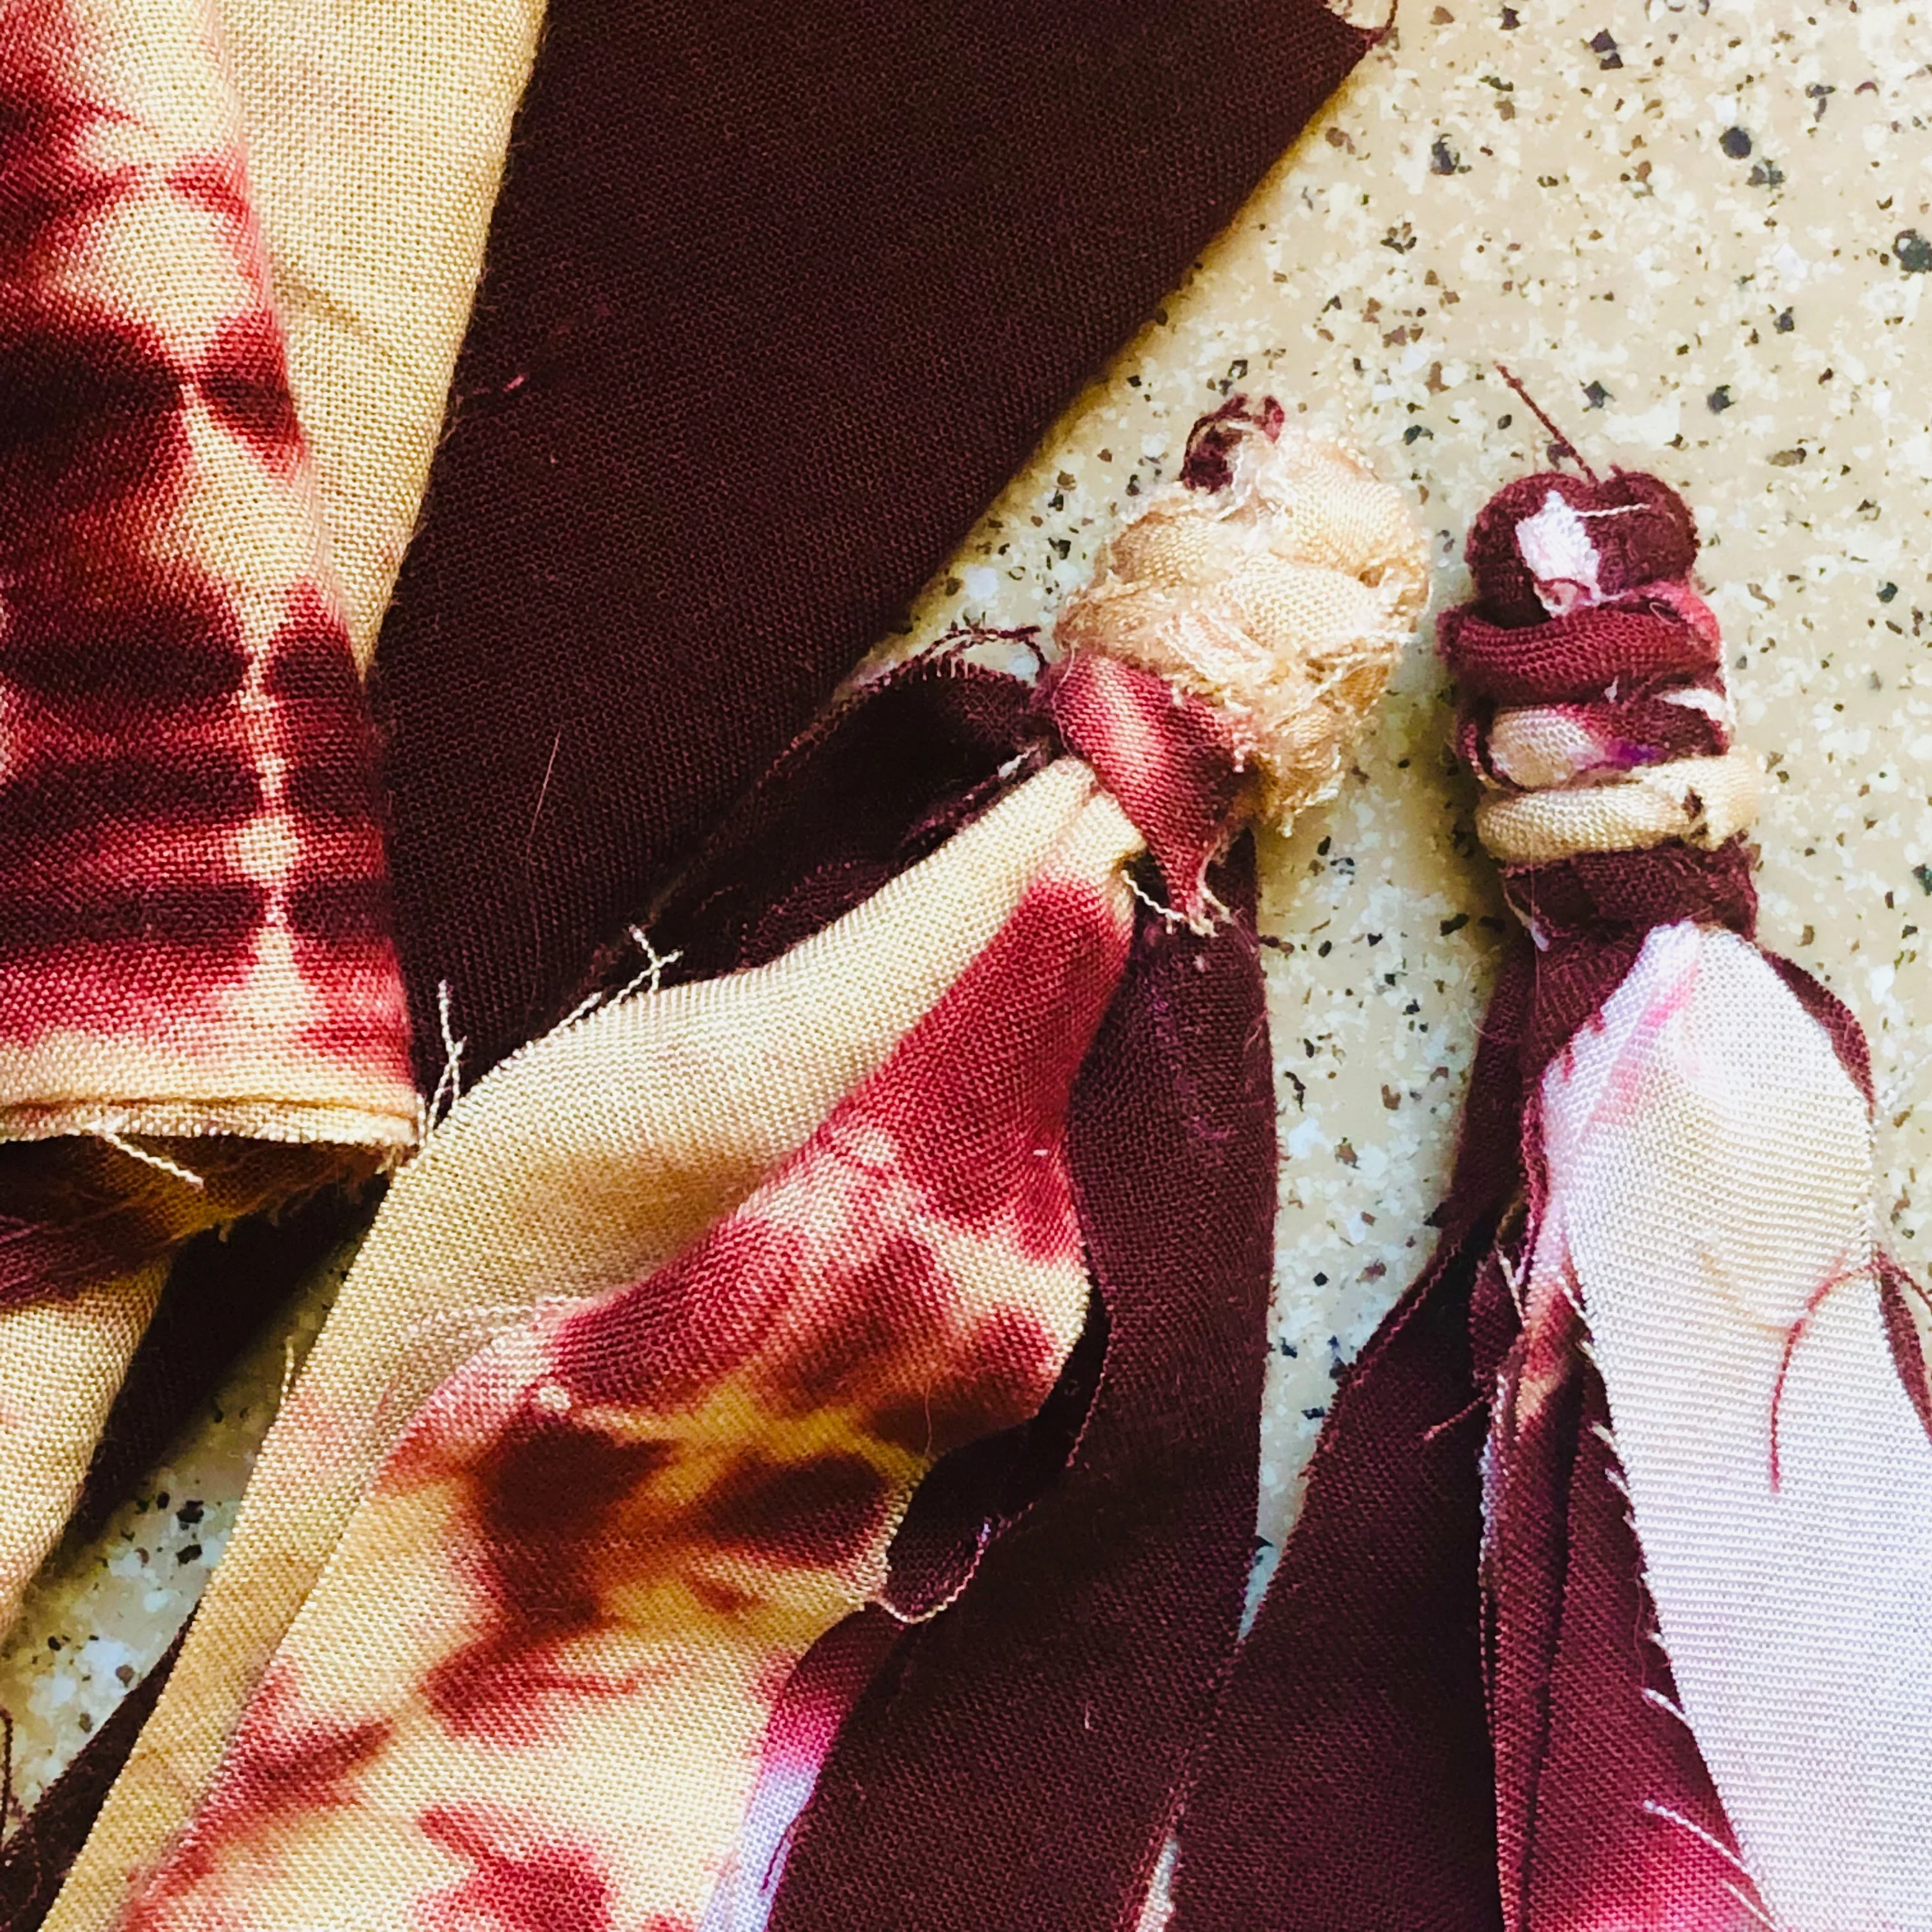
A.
x: 624, y: 1407
x: 1611, y: 1601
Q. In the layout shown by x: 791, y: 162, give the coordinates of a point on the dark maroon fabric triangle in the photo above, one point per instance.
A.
x: 776, y: 298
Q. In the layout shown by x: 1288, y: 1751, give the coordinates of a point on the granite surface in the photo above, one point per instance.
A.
x: 1702, y: 234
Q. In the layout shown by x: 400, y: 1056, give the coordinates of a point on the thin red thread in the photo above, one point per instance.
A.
x: 1794, y: 1334
x: 1561, y: 446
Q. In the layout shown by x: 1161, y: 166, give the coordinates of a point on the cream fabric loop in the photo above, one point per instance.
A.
x: 1701, y: 801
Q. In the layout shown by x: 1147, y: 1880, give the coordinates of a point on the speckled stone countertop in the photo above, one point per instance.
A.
x: 1702, y: 233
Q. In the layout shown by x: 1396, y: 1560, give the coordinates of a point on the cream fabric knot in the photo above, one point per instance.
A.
x: 1281, y: 600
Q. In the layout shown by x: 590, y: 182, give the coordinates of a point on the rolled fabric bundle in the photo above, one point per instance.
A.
x: 503, y: 1633
x: 204, y: 1014
x: 1611, y: 1603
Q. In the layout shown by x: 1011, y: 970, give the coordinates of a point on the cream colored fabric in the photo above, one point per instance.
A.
x: 1701, y: 801
x: 61, y: 1362
x: 573, y: 1168
x: 1710, y: 1202
x: 492, y: 1697
x: 1281, y: 600
x: 376, y: 132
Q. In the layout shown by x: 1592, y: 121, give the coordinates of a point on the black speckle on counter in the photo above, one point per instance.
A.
x: 1785, y: 321
x: 1509, y: 19
x: 1735, y: 142
x: 189, y: 1552
x: 1766, y: 174
x: 1595, y: 396
x: 1604, y: 46
x: 1887, y: 592
x: 1444, y: 160
x: 1720, y: 399
x: 1914, y: 252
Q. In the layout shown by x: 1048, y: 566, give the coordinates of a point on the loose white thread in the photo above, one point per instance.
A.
x: 149, y: 1158
x: 449, y: 1082
x: 656, y: 963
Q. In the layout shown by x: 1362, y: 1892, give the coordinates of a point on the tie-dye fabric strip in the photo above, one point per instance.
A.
x: 531, y: 1629
x: 203, y: 1011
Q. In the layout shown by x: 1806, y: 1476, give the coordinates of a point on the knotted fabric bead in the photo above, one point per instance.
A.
x: 1276, y: 581
x: 1595, y: 711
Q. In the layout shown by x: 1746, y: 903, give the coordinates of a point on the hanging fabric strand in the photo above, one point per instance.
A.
x: 1611, y: 1600
x: 736, y: 1381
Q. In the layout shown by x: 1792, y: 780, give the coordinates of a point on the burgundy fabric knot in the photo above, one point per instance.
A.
x: 1209, y: 462
x: 1592, y: 708
x: 1641, y: 531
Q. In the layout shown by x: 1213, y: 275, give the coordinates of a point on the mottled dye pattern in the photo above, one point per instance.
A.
x: 1709, y: 1211
x: 536, y: 1686
x: 1708, y: 1494
x: 193, y: 916
x: 1168, y: 757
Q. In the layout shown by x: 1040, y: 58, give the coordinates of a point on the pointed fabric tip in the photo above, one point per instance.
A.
x: 1705, y: 1524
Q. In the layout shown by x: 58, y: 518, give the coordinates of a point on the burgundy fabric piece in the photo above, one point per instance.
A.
x: 1168, y: 758
x: 35, y: 1861
x: 1017, y: 1763
x: 1649, y: 537
x: 975, y: 1492
x: 222, y: 1289
x: 1208, y: 463
x: 776, y: 299
x: 1902, y: 1302
x: 1613, y: 1817
x: 1349, y: 1786
x: 880, y: 783
x: 1571, y: 659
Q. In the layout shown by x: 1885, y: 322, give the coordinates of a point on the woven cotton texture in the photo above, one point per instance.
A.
x: 776, y: 300
x: 204, y: 1013
x: 375, y: 134
x: 520, y: 1637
